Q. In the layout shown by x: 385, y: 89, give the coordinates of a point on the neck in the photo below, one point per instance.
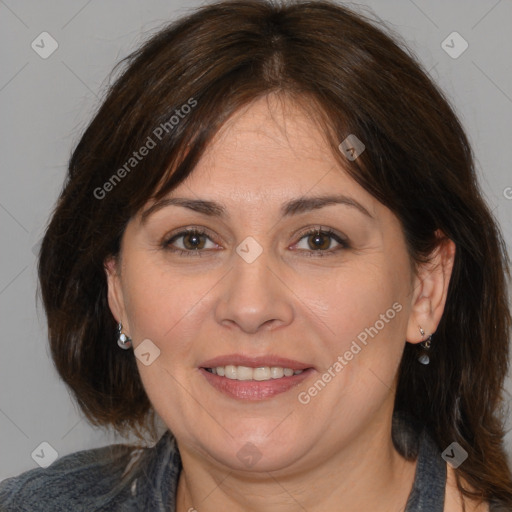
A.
x: 367, y: 474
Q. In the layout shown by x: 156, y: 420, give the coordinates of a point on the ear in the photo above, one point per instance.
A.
x: 430, y: 290
x: 115, y: 292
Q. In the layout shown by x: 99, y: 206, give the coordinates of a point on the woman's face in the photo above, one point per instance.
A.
x: 263, y: 293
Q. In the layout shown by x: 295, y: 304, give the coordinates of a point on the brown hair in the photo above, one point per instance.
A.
x: 351, y: 78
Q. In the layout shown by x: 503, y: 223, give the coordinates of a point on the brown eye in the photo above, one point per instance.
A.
x: 193, y: 242
x: 318, y: 242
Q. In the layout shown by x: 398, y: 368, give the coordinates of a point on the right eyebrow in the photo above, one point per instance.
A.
x: 289, y: 208
x: 209, y: 208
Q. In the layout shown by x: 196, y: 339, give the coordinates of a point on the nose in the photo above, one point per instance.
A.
x: 254, y: 296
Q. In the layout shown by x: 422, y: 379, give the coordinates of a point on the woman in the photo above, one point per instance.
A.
x: 271, y: 237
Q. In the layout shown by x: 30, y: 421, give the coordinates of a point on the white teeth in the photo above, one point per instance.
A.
x: 276, y: 372
x: 259, y: 374
x: 244, y: 373
x: 229, y: 371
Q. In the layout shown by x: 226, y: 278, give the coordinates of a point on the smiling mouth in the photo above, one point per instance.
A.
x: 261, y: 373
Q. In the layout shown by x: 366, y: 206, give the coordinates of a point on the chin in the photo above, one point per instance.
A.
x: 257, y: 451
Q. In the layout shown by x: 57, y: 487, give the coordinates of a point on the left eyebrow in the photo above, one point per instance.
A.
x: 305, y: 204
x: 292, y: 207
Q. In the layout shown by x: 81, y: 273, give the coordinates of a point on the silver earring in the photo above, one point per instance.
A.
x: 424, y: 357
x: 123, y: 341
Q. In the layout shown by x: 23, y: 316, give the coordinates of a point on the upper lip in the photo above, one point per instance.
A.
x: 254, y: 362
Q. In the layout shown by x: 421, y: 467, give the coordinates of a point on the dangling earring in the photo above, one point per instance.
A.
x: 123, y: 341
x: 424, y: 357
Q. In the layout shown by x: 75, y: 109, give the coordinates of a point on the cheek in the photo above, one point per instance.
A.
x: 149, y: 304
x: 352, y: 301
x: 363, y: 317
x: 162, y: 304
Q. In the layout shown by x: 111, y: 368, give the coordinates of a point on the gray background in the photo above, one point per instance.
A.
x: 46, y: 103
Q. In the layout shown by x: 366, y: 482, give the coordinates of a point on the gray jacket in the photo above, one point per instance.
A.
x: 120, y: 478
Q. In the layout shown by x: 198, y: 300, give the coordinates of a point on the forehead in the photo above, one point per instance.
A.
x: 271, y: 149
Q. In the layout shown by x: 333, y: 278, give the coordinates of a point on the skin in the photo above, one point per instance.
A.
x: 334, y: 453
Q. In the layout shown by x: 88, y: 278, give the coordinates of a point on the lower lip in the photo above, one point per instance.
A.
x: 252, y: 389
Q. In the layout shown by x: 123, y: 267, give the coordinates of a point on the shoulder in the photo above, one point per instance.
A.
x: 435, y: 484
x: 88, y: 477
x: 454, y: 501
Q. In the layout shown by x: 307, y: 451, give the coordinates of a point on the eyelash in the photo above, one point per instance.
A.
x: 166, y: 244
